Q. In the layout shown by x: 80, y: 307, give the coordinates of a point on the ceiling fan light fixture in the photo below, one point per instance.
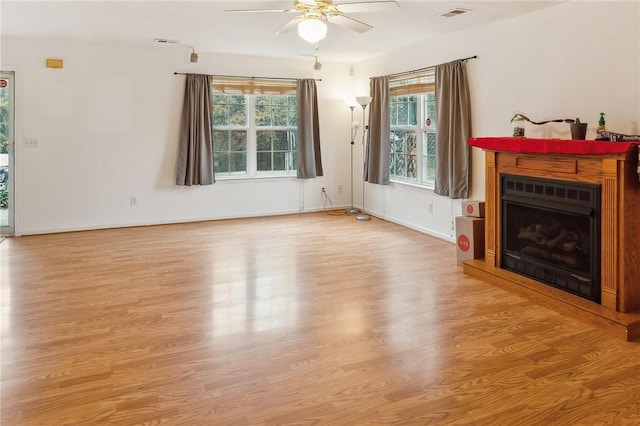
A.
x: 312, y: 30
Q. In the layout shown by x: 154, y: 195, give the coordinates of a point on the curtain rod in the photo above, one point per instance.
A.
x: 240, y: 76
x: 428, y: 68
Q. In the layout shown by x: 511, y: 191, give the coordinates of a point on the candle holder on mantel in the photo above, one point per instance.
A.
x: 518, y: 126
x: 578, y: 130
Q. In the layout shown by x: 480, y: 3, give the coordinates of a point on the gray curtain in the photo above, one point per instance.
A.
x: 195, y: 157
x: 453, y: 130
x: 309, y: 158
x: 376, y: 163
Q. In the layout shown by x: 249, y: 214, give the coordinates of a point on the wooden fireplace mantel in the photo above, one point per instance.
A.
x: 614, y: 167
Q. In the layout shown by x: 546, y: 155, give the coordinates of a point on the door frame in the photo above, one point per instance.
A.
x: 11, y: 186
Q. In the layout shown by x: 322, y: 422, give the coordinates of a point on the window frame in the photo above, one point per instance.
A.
x: 251, y: 89
x: 421, y: 130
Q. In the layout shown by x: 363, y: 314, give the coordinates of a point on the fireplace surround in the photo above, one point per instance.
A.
x: 609, y: 166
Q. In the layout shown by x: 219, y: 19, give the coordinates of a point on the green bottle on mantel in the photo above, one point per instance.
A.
x: 601, y: 132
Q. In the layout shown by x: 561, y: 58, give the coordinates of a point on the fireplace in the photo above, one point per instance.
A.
x: 596, y: 196
x: 551, y: 232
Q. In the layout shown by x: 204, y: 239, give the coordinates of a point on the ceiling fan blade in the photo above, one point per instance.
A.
x: 368, y: 6
x: 350, y: 23
x: 290, y: 25
x: 259, y: 10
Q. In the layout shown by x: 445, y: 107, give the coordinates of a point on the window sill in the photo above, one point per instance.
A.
x: 412, y: 185
x: 253, y: 178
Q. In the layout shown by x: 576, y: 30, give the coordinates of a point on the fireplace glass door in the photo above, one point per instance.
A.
x: 550, y: 232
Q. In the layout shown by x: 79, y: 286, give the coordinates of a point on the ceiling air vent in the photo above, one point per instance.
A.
x: 165, y: 41
x: 455, y: 12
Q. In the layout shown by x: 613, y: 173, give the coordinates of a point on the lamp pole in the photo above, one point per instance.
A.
x: 363, y: 101
x: 354, y: 130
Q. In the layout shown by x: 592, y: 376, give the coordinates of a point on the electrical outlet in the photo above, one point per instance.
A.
x: 430, y: 208
x: 133, y: 201
x: 340, y: 189
x: 323, y: 190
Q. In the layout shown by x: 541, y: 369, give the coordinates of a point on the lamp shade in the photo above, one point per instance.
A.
x: 363, y: 100
x: 312, y: 30
x: 351, y: 102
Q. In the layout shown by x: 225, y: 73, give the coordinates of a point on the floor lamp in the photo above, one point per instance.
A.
x: 354, y: 131
x: 363, y: 101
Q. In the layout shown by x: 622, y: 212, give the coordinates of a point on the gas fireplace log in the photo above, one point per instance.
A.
x: 550, y: 256
x: 565, y: 240
x: 565, y: 259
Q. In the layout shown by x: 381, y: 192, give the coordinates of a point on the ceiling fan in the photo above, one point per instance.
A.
x: 314, y: 13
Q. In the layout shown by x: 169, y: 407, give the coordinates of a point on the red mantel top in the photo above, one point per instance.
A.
x: 551, y: 146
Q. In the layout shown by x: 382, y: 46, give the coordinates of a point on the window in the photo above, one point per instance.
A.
x: 412, y: 148
x: 276, y: 132
x: 230, y: 132
x: 254, y: 134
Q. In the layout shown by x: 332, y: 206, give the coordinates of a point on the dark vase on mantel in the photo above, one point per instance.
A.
x: 578, y: 131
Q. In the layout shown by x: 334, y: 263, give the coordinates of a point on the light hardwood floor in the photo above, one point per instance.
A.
x: 301, y: 319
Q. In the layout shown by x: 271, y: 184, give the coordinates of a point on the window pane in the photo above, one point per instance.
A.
x: 430, y: 108
x: 279, y: 162
x: 220, y: 140
x: 429, y: 144
x: 264, y: 161
x: 412, y: 169
x: 238, y: 162
x: 429, y: 164
x: 429, y: 157
x: 220, y: 114
x: 238, y: 140
x: 276, y: 150
x: 412, y: 111
x: 280, y: 116
x: 237, y: 114
x: 292, y: 160
x: 221, y: 162
x: 263, y: 141
x: 402, y: 111
x: 229, y: 110
x: 403, y: 154
x: 263, y: 114
x: 280, y: 142
x: 292, y: 111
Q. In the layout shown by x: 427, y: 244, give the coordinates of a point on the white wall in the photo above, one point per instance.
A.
x: 107, y: 124
x: 575, y: 59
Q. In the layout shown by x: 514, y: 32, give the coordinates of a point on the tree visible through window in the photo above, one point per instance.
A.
x: 254, y: 127
x: 276, y: 132
x: 230, y: 130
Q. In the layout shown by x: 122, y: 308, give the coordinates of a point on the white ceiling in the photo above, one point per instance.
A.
x: 203, y: 24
